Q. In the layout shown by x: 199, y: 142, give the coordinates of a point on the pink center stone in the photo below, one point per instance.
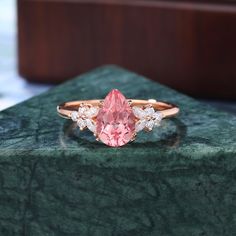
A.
x: 115, y: 120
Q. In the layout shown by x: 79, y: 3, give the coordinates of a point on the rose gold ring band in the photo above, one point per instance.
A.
x: 116, y: 120
x: 166, y: 109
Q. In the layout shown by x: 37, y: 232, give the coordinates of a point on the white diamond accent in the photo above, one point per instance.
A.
x: 92, y: 112
x: 150, y: 124
x: 82, y: 110
x: 74, y: 115
x: 148, y: 118
x: 81, y: 123
x: 140, y: 125
x: 157, y: 116
x: 84, y: 117
x: 149, y: 111
x: 139, y: 112
x: 91, y: 125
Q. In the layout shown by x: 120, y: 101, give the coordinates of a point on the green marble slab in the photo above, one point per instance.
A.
x: 55, y: 181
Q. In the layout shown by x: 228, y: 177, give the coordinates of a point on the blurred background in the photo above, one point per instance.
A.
x: 187, y: 45
x: 13, y: 88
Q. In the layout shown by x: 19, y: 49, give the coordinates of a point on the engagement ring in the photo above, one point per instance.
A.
x: 116, y: 120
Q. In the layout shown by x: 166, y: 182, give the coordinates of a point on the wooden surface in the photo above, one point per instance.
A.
x: 189, y: 46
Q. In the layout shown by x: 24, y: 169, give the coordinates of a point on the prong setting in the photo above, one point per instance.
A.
x: 134, y: 137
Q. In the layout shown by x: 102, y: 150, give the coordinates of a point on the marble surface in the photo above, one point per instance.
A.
x: 178, y: 180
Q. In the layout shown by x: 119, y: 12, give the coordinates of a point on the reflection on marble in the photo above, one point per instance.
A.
x: 55, y: 182
x: 170, y: 134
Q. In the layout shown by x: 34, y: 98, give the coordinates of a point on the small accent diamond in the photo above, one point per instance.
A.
x: 92, y: 112
x: 140, y: 125
x: 139, y: 112
x: 84, y: 116
x: 157, y: 116
x: 148, y: 118
x: 91, y: 125
x: 149, y: 111
x: 81, y: 123
x: 74, y: 115
x: 82, y: 110
x: 150, y: 125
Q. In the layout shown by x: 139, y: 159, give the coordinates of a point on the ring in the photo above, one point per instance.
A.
x: 116, y: 120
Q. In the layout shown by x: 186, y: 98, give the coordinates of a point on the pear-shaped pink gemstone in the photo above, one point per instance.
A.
x: 115, y: 120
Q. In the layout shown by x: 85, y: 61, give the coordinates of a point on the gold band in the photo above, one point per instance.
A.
x: 166, y: 109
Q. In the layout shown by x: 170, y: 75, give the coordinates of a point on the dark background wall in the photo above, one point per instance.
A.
x: 188, y: 45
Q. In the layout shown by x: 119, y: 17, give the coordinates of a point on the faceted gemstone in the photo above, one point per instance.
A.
x: 91, y: 126
x: 140, y: 125
x: 74, y: 115
x: 92, y: 112
x: 148, y: 118
x: 150, y: 124
x: 81, y: 123
x: 115, y: 120
x: 139, y: 112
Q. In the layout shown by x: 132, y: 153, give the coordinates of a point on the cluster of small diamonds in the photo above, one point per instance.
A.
x: 85, y: 117
x: 148, y: 118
